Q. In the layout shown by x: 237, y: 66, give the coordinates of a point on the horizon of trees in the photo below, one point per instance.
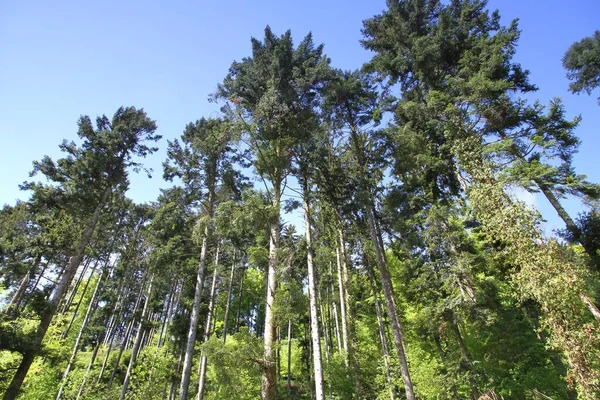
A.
x: 418, y: 275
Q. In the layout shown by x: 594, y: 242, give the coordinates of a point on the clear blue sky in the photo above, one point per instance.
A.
x: 62, y: 59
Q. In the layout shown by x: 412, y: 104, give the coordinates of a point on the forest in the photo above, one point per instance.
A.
x: 409, y: 270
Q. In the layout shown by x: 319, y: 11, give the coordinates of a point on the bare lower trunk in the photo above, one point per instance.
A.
x: 466, y: 355
x: 126, y: 336
x: 173, y: 388
x: 239, y: 305
x: 138, y: 342
x: 65, y: 280
x: 343, y: 306
x: 390, y: 302
x: 337, y: 328
x: 228, y: 305
x: 88, y: 369
x: 381, y: 328
x: 324, y: 330
x: 81, y: 298
x: 312, y: 296
x: 67, y: 304
x: 13, y: 306
x: 86, y: 319
x: 289, y: 358
x: 169, y: 312
x: 193, y: 328
x: 348, y: 304
x: 268, y: 363
x: 442, y: 354
x: 207, y: 327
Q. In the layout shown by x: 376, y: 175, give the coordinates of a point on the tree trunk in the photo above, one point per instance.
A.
x: 381, y: 328
x: 191, y: 336
x: 228, y: 305
x: 337, y: 328
x: 173, y: 388
x: 168, y: 313
x: 562, y: 213
x: 138, y: 342
x: 390, y: 302
x: 126, y: 336
x: 67, y: 304
x: 324, y: 329
x: 289, y: 358
x: 466, y: 355
x: 83, y: 292
x: 207, y: 327
x: 13, y: 306
x: 591, y: 306
x: 343, y: 306
x: 240, y: 295
x: 86, y: 319
x: 35, y: 284
x: 88, y: 369
x: 268, y: 364
x: 312, y: 296
x: 349, y: 306
x: 46, y: 318
x: 442, y: 354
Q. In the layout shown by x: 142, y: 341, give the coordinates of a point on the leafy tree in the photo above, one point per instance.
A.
x: 582, y: 62
x: 84, y: 182
x: 269, y: 94
x: 201, y: 165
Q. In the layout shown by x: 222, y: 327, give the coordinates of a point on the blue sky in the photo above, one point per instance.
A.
x: 62, y: 59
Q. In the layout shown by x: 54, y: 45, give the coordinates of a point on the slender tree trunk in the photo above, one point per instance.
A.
x: 105, y: 361
x: 67, y: 304
x: 174, y: 381
x: 126, y: 335
x: 239, y: 305
x: 312, y: 296
x: 562, y: 213
x: 390, y: 302
x: 324, y: 330
x: 228, y: 305
x: 13, y: 306
x: 289, y: 358
x: 442, y: 354
x: 466, y: 355
x: 81, y: 298
x: 193, y: 329
x: 138, y: 342
x: 113, y: 324
x: 46, y: 318
x: 22, y: 302
x: 337, y: 328
x: 268, y: 364
x: 349, y: 306
x: 343, y: 306
x: 208, y: 326
x: 168, y: 313
x: 115, y: 313
x: 590, y: 305
x: 87, y: 370
x: 278, y: 353
x: 86, y: 319
x: 381, y: 328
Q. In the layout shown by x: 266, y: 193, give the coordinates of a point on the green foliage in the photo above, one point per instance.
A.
x: 582, y: 62
x: 233, y: 366
x: 488, y: 304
